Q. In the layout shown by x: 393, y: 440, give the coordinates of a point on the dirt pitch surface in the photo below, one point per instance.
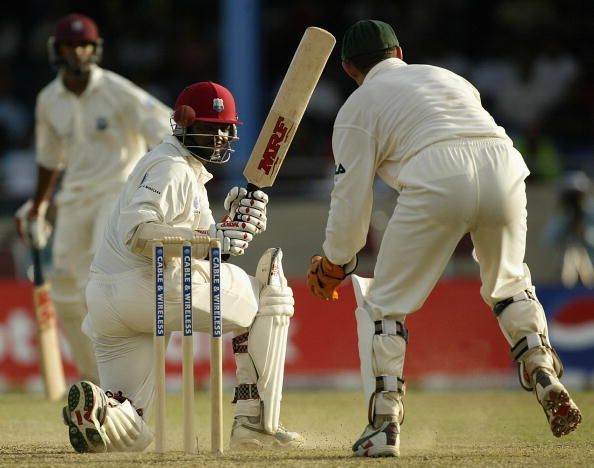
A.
x: 449, y: 429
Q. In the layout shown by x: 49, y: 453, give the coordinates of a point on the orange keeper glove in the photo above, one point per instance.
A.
x: 324, y: 277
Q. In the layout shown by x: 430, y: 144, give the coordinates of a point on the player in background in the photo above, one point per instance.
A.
x: 166, y: 196
x: 423, y: 131
x: 92, y: 125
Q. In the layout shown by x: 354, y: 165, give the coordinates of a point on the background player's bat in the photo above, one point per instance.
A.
x: 47, y: 326
x: 288, y: 108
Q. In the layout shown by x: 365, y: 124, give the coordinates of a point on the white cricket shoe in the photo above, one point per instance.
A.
x: 381, y: 442
x: 248, y: 433
x: 562, y: 413
x: 84, y: 415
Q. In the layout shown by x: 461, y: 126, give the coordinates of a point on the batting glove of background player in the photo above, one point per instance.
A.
x: 249, y: 207
x: 33, y: 228
x: 324, y: 277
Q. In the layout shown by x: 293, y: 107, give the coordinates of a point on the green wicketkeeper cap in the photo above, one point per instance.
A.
x: 367, y: 36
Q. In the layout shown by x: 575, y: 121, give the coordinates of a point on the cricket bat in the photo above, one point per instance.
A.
x: 47, y: 327
x: 288, y: 108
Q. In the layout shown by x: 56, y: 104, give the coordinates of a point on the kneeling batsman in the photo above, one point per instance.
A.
x: 101, y: 421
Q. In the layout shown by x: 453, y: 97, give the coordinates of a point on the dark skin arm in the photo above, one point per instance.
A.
x: 46, y: 183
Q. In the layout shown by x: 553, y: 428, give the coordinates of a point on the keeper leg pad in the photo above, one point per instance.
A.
x: 382, y: 346
x: 523, y: 323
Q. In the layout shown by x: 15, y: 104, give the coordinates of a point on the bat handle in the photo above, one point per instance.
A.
x: 38, y: 279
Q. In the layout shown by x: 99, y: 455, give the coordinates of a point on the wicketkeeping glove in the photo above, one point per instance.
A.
x: 324, y: 277
x: 249, y: 207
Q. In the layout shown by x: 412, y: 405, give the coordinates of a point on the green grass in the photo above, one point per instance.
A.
x: 449, y: 429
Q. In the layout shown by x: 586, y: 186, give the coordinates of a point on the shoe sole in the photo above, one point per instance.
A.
x: 565, y: 416
x: 254, y: 444
x: 84, y: 408
x: 382, y: 451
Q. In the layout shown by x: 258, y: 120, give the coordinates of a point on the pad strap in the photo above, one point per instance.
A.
x: 526, y: 295
x: 246, y: 392
x: 389, y: 383
x: 240, y: 343
x: 385, y: 383
x: 534, y: 340
x: 391, y: 327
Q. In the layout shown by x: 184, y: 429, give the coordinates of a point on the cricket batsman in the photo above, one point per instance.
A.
x: 166, y: 196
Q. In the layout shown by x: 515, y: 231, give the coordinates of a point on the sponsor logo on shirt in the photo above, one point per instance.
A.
x: 101, y: 123
x: 148, y: 187
x: 339, y: 170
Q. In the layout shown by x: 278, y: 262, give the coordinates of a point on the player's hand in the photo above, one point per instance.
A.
x: 249, y: 207
x: 234, y: 236
x: 32, y: 226
x: 324, y: 277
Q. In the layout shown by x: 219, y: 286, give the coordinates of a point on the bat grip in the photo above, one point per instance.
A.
x: 37, y: 269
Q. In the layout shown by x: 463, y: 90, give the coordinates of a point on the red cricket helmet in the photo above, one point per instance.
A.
x: 210, y: 101
x: 74, y: 27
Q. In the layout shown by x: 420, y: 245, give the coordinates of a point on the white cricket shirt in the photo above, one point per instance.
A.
x: 167, y: 186
x: 398, y: 110
x: 96, y: 137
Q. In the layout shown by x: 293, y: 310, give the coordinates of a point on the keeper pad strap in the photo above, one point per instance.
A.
x: 525, y: 295
x: 389, y: 383
x: 534, y: 340
x: 391, y: 327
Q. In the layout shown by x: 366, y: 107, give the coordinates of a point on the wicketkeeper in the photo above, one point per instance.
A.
x: 423, y: 131
x: 166, y: 196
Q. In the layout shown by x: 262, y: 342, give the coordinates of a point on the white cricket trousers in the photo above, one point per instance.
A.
x: 449, y: 189
x: 121, y: 314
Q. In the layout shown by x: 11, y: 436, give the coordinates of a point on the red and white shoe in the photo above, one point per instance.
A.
x: 562, y: 413
x: 381, y: 442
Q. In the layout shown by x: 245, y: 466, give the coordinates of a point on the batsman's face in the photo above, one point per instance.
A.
x: 78, y: 55
x: 210, y: 141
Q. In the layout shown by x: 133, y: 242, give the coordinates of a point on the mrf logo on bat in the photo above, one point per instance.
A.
x: 279, y: 135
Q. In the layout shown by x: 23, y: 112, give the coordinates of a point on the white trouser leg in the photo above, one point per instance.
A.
x: 121, y: 316
x: 71, y: 310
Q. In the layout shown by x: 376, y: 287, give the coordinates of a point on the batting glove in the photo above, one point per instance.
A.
x: 234, y: 236
x: 249, y: 207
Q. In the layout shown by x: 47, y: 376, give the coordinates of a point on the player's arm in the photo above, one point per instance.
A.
x: 31, y: 224
x: 352, y: 196
x: 350, y: 210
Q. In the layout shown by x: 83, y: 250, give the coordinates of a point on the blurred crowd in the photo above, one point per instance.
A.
x: 531, y: 60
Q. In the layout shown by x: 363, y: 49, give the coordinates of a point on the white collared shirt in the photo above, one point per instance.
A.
x: 96, y: 137
x: 167, y: 186
x: 398, y: 110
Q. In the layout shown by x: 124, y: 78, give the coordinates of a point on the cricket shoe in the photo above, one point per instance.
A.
x: 248, y: 433
x: 379, y: 442
x: 84, y: 415
x: 562, y: 413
